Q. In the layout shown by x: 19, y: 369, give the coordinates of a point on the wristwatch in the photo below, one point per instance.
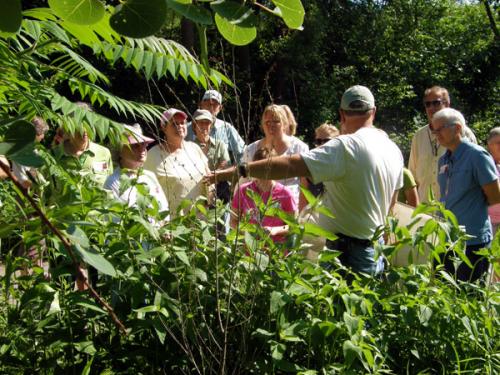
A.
x: 243, y: 169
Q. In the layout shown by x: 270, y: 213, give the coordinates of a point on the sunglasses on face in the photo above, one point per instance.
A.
x: 321, y: 141
x: 434, y: 103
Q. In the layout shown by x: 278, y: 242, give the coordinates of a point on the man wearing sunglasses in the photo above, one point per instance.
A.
x: 468, y: 184
x: 425, y: 150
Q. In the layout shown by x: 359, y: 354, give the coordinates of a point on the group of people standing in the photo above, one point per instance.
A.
x: 357, y: 170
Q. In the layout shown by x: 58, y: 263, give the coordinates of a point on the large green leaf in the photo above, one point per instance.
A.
x: 139, y: 18
x: 10, y: 17
x: 96, y: 260
x: 27, y: 157
x: 191, y: 11
x: 15, y: 136
x: 235, y: 22
x: 81, y: 12
x: 291, y: 11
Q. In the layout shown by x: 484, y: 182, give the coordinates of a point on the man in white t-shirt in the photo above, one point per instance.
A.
x: 362, y: 171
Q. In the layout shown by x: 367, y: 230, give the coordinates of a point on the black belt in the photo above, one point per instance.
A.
x: 343, y: 237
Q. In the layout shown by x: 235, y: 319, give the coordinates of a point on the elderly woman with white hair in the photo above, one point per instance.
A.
x: 468, y: 184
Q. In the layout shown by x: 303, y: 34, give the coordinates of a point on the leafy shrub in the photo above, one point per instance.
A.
x: 192, y: 303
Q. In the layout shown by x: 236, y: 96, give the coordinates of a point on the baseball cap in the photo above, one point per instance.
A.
x: 212, y: 94
x: 357, y: 98
x: 135, y: 134
x: 170, y: 113
x: 203, y: 114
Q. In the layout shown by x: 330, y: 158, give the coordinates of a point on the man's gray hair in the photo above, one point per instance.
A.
x: 493, y: 133
x: 451, y: 116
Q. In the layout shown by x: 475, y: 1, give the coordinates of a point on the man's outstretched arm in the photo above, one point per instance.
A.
x: 274, y: 168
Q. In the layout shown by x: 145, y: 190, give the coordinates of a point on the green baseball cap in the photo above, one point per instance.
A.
x: 357, y: 98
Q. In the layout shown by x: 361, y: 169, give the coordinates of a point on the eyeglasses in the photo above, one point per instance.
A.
x: 439, y: 130
x: 321, y: 141
x: 434, y: 103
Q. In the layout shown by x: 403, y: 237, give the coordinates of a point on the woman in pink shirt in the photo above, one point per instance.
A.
x: 273, y: 194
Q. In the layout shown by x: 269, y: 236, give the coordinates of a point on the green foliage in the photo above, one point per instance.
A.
x: 235, y: 22
x: 139, y: 18
x: 10, y: 19
x: 86, y: 12
x: 292, y: 12
x: 192, y: 303
x: 43, y: 61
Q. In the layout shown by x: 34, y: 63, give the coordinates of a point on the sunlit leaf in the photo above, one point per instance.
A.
x: 291, y: 11
x: 81, y: 12
x: 96, y: 260
x: 235, y: 22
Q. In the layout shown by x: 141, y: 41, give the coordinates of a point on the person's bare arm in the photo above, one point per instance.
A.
x: 302, y: 200
x: 393, y: 201
x: 492, y: 192
x: 234, y: 219
x: 5, y: 162
x: 274, y: 168
x: 282, y: 230
x: 411, y: 196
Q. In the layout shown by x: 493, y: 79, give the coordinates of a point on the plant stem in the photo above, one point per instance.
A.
x: 79, y: 274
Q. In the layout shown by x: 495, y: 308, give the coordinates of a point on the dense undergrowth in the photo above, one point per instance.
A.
x: 195, y: 303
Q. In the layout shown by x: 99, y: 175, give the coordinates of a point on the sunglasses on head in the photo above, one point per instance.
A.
x: 321, y: 141
x: 434, y: 103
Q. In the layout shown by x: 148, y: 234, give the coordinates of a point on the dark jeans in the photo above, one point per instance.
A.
x: 357, y: 254
x: 464, y: 272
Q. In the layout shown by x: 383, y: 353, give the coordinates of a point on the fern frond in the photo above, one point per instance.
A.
x: 95, y: 94
x: 77, y: 66
x: 81, y: 118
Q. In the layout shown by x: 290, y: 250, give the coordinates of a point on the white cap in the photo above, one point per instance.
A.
x: 135, y: 134
x: 212, y: 94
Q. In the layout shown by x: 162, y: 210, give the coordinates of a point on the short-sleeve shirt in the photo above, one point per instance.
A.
x: 217, y: 153
x: 224, y: 132
x: 494, y: 211
x: 180, y: 173
x: 129, y: 195
x: 296, y: 147
x: 461, y: 176
x: 408, y: 183
x: 423, y: 163
x: 279, y: 195
x: 361, y: 172
x: 95, y: 162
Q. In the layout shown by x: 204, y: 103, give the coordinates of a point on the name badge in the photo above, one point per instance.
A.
x: 443, y: 169
x: 100, y: 166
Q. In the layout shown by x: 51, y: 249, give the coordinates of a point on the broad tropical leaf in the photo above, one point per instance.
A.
x: 235, y: 22
x: 139, y: 18
x: 80, y: 12
x: 10, y: 17
x: 291, y: 11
